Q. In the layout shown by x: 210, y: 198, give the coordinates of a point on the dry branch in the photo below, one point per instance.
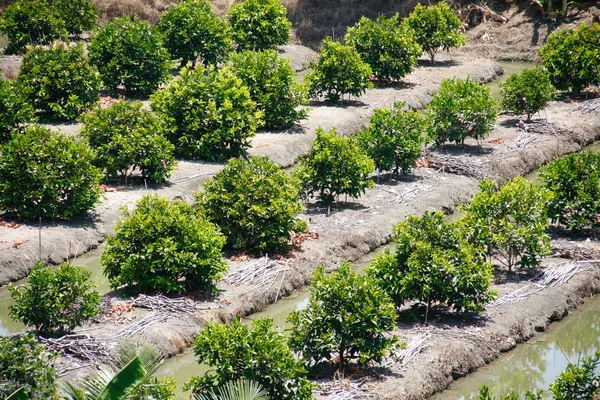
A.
x: 260, y: 273
x: 588, y: 106
x: 453, y: 165
x: 403, y: 356
x: 83, y: 347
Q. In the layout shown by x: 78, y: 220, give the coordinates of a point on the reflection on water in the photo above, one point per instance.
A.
x: 538, y: 363
x: 91, y: 261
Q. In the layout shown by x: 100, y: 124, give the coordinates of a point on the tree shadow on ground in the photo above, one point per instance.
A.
x: 339, y: 104
x: 388, y: 179
x: 473, y: 150
x: 338, y: 206
x: 294, y: 130
x: 400, y: 85
x: 438, y: 64
x: 412, y: 315
x: 502, y: 276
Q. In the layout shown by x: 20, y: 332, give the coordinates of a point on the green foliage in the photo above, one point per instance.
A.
x: 163, y: 246
x: 130, y: 55
x: 270, y: 80
x: 338, y: 70
x: 462, y: 108
x: 255, y: 203
x: 249, y: 351
x: 335, y: 166
x: 55, y: 301
x: 259, y: 24
x: 128, y: 377
x: 395, y: 138
x: 15, y: 110
x: 25, y: 363
x: 436, y: 27
x: 237, y: 390
x: 527, y: 92
x: 79, y: 15
x: 509, y: 223
x: 210, y: 112
x: 191, y: 30
x: 30, y: 22
x: 125, y: 137
x: 60, y: 80
x: 572, y: 57
x: 348, y: 316
x: 578, y: 381
x: 484, y: 394
x: 388, y: 46
x: 432, y: 263
x: 46, y: 174
x: 575, y: 182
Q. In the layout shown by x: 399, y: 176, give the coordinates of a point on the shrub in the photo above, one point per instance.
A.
x: 129, y: 54
x: 194, y: 106
x: 461, y: 109
x: 15, y: 110
x: 79, y: 15
x: 572, y: 57
x: 436, y: 27
x: 249, y: 351
x: 527, y: 92
x: 388, y: 46
x: 254, y: 202
x: 63, y: 184
x: 432, y: 263
x: 191, y: 30
x: 335, y: 165
x: 347, y: 316
x: 574, y: 181
x: 163, y: 246
x: 395, y: 138
x: 30, y: 22
x: 125, y: 137
x: 60, y: 80
x: 578, y: 381
x: 338, y: 70
x: 25, y: 363
x: 259, y: 24
x: 270, y: 79
x: 509, y: 223
x: 54, y: 302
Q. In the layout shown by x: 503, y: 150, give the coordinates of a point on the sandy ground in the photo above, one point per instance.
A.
x: 19, y: 247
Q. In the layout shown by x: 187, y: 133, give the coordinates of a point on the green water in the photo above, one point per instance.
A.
x: 509, y: 69
x: 536, y: 364
x: 91, y: 261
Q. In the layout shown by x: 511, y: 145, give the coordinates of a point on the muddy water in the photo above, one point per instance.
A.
x: 536, y: 364
x: 91, y: 261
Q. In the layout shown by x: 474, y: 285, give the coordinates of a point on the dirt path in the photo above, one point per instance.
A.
x: 19, y: 247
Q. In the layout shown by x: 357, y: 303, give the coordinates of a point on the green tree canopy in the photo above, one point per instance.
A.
x: 259, y: 24
x: 527, y: 92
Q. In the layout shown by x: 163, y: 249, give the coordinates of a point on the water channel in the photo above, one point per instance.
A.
x: 534, y: 364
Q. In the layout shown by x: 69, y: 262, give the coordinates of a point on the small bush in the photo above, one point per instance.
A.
x: 395, y: 138
x: 259, y: 24
x: 572, y: 57
x: 509, y: 223
x: 15, y: 110
x: 56, y: 301
x: 60, y: 80
x: 129, y: 54
x: 348, y: 316
x: 127, y: 137
x: 432, y: 264
x: 25, y: 363
x: 63, y: 184
x: 270, y: 79
x: 436, y: 27
x: 334, y: 166
x: 163, y: 246
x: 79, y: 15
x: 578, y: 381
x: 388, y: 46
x: 574, y: 181
x: 338, y: 70
x: 255, y: 203
x: 30, y: 22
x: 254, y: 352
x: 461, y: 109
x: 527, y: 92
x: 191, y: 30
x: 194, y: 106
